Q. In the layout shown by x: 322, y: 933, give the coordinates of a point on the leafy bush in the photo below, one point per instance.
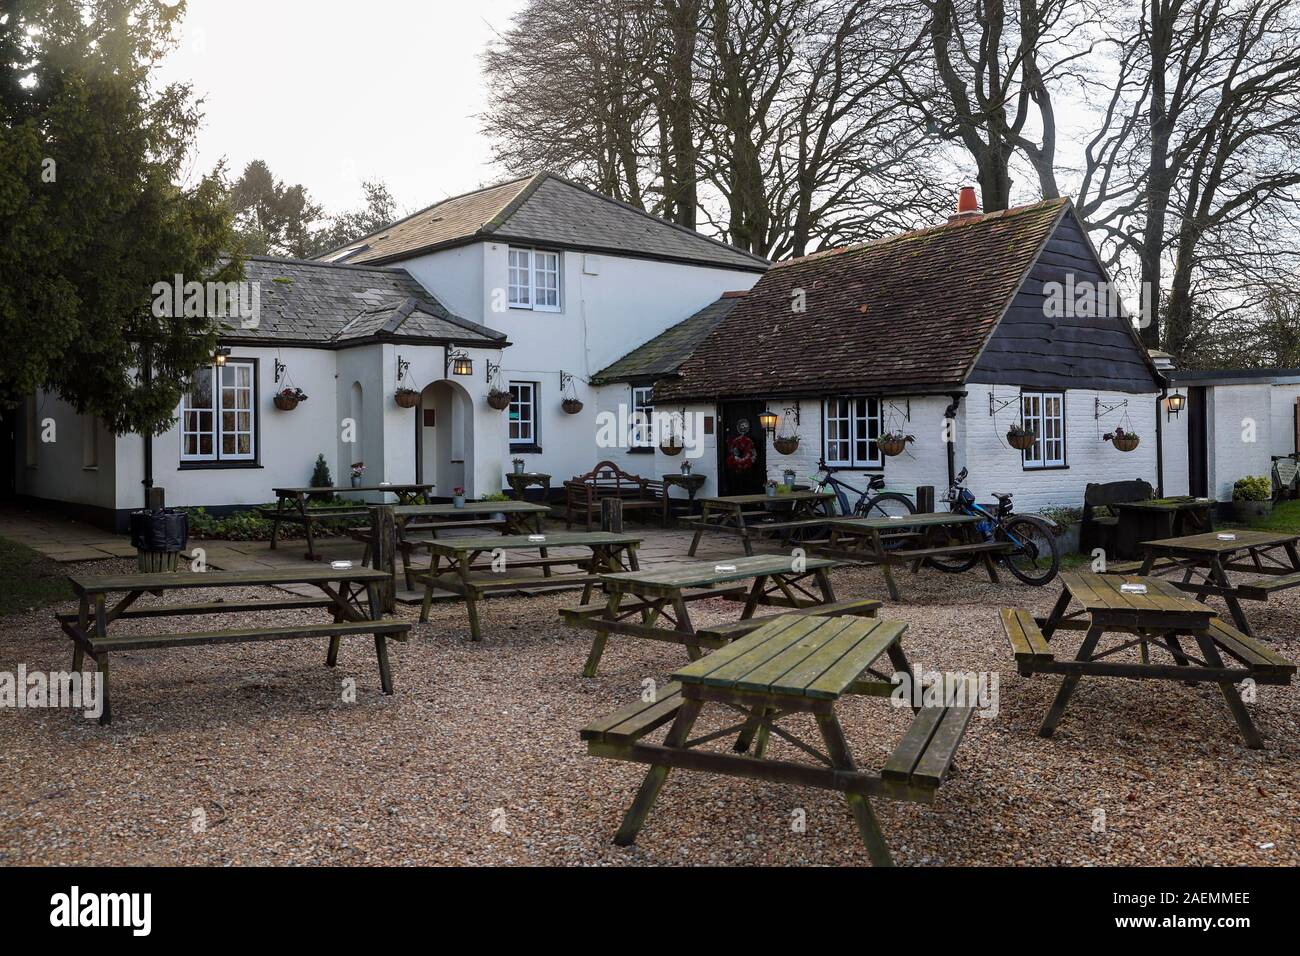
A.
x: 321, y: 477
x: 249, y: 525
x: 1062, y: 517
x: 1253, y: 488
x: 497, y: 496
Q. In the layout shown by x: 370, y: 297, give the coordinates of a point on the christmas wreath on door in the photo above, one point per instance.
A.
x: 741, y: 453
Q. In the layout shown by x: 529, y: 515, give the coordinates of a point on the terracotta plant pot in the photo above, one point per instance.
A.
x: 1126, y: 443
x: 786, y: 446
x: 1021, y: 442
x: 571, y: 406
x: 499, y: 400
x: 893, y: 446
x: 406, y: 397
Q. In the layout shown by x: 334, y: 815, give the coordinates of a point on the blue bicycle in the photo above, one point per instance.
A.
x: 1034, y: 556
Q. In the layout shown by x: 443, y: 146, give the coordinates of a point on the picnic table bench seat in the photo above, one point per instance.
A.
x: 857, y: 607
x: 582, y: 612
x: 1135, y: 567
x: 1260, y: 590
x: 925, y: 754
x: 1028, y: 646
x: 213, y: 607
x: 397, y: 630
x: 636, y: 720
x: 1251, y: 653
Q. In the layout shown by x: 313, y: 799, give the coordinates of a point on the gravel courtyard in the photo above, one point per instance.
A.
x: 248, y: 754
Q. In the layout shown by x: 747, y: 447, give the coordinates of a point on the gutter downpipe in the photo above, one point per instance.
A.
x: 950, y: 413
x: 148, y: 438
x: 1160, y: 444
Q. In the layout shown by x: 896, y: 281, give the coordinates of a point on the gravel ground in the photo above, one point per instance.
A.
x: 248, y: 754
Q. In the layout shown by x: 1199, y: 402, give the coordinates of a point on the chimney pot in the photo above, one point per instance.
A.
x: 966, y: 201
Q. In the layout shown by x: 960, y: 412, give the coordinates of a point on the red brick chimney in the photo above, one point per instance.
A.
x: 968, y: 207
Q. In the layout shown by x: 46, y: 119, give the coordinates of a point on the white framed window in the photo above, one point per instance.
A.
x: 643, y: 416
x: 1044, y: 414
x: 523, y: 413
x: 852, y: 426
x: 533, y: 279
x: 217, y: 414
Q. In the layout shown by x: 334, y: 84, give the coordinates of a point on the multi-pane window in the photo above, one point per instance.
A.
x: 523, y: 413
x: 217, y: 420
x: 534, y: 279
x: 1044, y: 415
x: 643, y: 413
x: 852, y: 427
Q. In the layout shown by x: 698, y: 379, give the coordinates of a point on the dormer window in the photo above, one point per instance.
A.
x: 534, y: 279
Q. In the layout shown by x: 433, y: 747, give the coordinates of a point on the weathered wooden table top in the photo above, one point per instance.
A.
x: 173, y: 580
x: 1209, y: 542
x: 1104, y: 593
x: 815, y: 657
x: 561, y: 539
x: 471, y: 508
x: 926, y: 520
x: 1167, y: 504
x: 695, y: 574
x: 740, y: 501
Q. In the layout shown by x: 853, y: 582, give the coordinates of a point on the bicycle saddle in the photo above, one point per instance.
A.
x: 1001, y: 496
x: 876, y: 481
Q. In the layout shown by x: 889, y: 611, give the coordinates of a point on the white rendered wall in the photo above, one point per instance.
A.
x: 1240, y: 435
x: 60, y: 470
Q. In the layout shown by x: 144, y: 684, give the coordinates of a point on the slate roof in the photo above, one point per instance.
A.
x: 665, y: 353
x: 543, y: 209
x: 908, y: 314
x: 334, y: 306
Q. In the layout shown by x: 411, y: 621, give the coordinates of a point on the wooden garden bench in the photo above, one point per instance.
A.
x: 351, y: 594
x: 789, y: 666
x: 583, y: 494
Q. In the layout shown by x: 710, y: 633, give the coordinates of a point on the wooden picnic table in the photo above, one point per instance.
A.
x: 507, y: 517
x: 1156, y: 621
x: 908, y: 539
x: 294, y: 504
x: 661, y: 595
x: 736, y: 514
x: 606, y: 552
x: 789, y: 667
x: 343, y: 589
x: 1159, y: 518
x: 1206, y: 559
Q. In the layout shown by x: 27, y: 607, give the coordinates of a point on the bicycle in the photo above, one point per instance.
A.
x: 881, y: 505
x: 1035, y: 556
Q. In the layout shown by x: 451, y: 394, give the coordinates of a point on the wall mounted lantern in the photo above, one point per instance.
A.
x: 1175, y: 403
x: 220, y: 356
x: 767, y: 420
x: 457, y: 362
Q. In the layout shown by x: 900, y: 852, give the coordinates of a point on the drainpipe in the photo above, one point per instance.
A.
x: 1160, y: 445
x: 951, y: 413
x: 148, y: 438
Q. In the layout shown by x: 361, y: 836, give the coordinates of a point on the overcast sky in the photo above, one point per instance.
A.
x: 331, y: 92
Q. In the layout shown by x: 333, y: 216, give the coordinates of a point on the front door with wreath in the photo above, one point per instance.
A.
x: 742, y: 449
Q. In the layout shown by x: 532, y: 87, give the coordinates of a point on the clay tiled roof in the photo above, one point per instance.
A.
x: 543, y: 209
x: 907, y: 315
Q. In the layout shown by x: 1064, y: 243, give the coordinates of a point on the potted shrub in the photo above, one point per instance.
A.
x: 1020, y: 437
x: 893, y: 443
x: 499, y: 398
x: 1124, y: 441
x: 497, y: 496
x: 571, y: 406
x: 1252, y: 497
x: 159, y: 537
x: 458, y: 497
x: 287, y: 399
x: 358, y: 473
x: 772, y: 487
x: 406, y: 397
x: 321, y: 478
x: 518, y: 464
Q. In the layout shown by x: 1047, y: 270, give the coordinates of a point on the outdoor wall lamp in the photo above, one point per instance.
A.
x: 767, y: 420
x: 219, y: 357
x: 1176, y: 402
x: 458, y: 362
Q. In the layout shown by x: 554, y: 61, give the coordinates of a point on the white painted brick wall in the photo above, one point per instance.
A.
x: 1233, y: 454
x: 995, y: 466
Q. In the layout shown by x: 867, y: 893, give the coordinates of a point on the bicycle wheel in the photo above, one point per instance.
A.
x: 952, y: 564
x: 885, y: 505
x: 1036, y: 557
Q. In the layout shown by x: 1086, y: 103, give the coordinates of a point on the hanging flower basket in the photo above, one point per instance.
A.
x: 786, y: 444
x: 1124, y: 441
x: 1020, y: 438
x: 406, y: 397
x: 892, y: 445
x: 571, y: 406
x: 671, y: 447
x: 287, y: 399
x: 499, y: 399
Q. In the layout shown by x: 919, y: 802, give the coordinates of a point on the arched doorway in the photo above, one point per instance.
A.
x: 444, y: 438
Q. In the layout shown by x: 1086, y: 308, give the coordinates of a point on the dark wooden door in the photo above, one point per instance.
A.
x: 738, y: 431
x: 8, y: 452
x: 1198, y: 475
